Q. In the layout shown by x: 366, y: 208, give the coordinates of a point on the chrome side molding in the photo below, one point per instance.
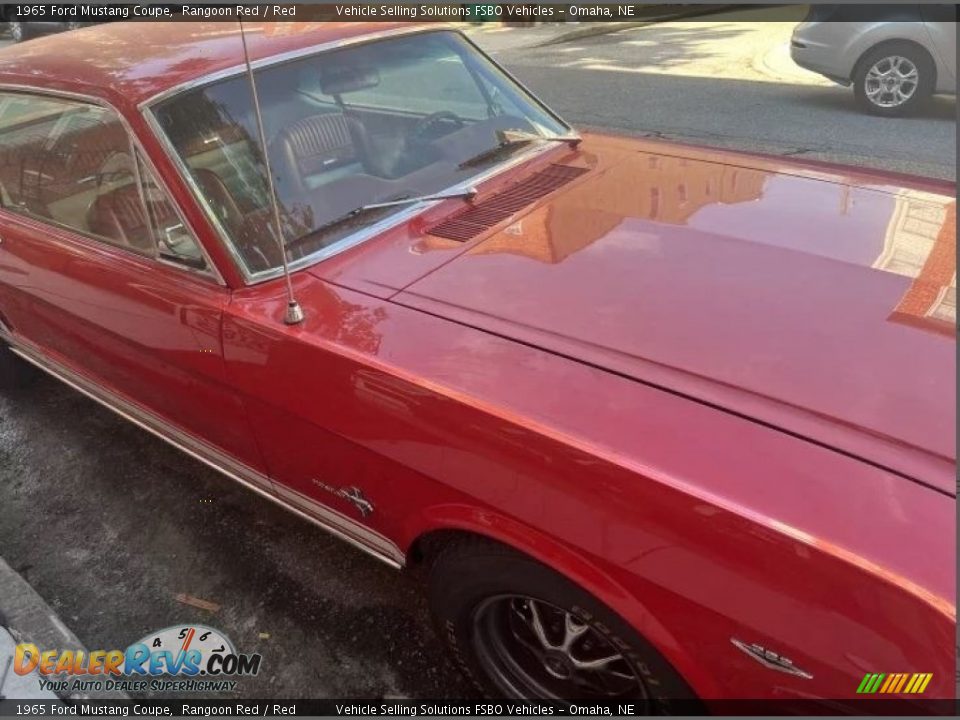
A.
x: 335, y: 523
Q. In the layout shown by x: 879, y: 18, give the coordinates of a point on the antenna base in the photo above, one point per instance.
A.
x: 294, y: 314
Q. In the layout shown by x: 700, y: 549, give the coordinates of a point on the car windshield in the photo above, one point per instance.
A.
x: 391, y: 119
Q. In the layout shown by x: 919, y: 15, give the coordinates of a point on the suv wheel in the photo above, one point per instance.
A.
x: 519, y: 630
x: 894, y: 79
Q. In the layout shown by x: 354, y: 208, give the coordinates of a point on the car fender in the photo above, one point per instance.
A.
x: 570, y: 563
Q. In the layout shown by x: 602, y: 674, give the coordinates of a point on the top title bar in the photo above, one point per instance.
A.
x: 324, y: 11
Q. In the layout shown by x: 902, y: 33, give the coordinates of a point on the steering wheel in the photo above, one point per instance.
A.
x: 421, y: 130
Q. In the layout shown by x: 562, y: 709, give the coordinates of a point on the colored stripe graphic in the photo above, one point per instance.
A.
x: 894, y: 683
x: 870, y: 683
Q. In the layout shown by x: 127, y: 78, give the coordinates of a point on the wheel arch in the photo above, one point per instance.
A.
x: 452, y: 523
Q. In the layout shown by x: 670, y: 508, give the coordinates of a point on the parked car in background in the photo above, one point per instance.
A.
x: 655, y: 422
x: 894, y: 65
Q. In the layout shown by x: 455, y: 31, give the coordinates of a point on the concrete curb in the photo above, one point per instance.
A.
x: 607, y: 28
x: 28, y: 618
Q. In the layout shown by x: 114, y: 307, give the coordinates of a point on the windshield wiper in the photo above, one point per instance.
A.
x: 466, y: 193
x: 511, y: 139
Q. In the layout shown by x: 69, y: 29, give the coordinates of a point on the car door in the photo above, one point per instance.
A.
x: 101, y: 280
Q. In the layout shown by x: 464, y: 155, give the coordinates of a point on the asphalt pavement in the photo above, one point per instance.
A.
x: 110, y: 525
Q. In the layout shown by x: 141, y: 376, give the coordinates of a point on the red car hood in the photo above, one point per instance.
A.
x: 820, y: 307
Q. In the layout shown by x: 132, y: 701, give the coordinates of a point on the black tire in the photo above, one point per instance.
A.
x: 472, y: 580
x: 15, y: 374
x: 888, y: 103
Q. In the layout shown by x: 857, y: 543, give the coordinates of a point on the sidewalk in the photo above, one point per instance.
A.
x: 13, y: 686
x: 26, y: 618
x: 496, y: 37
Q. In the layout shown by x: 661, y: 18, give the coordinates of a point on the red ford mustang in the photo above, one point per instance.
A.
x: 661, y: 422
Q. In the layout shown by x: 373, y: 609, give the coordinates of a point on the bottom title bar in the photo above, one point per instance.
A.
x: 441, y: 708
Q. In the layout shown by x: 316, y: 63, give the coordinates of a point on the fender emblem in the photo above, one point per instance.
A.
x: 770, y: 659
x: 352, y: 494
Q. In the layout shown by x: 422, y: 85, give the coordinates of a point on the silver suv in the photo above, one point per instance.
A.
x: 894, y: 65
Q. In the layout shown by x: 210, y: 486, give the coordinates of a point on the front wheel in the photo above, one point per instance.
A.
x: 519, y: 630
x: 894, y: 79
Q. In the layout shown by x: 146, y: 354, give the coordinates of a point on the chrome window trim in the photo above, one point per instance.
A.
x: 326, y: 518
x: 350, y: 240
x: 211, y: 273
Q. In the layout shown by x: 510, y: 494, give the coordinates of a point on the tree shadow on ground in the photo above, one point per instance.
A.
x: 663, y: 46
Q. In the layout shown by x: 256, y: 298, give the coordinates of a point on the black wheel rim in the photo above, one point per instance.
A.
x: 534, y: 649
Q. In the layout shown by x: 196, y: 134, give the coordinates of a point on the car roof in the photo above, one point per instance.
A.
x: 126, y: 63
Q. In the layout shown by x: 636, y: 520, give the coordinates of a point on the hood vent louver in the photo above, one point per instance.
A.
x: 481, y: 216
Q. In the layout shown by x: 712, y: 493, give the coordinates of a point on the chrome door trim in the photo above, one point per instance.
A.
x: 214, y: 272
x: 150, y: 422
x: 346, y: 528
x: 327, y: 519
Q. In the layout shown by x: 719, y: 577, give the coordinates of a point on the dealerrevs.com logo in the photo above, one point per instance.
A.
x: 182, y: 658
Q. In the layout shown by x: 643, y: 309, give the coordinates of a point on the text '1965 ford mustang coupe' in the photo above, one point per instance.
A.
x: 658, y: 422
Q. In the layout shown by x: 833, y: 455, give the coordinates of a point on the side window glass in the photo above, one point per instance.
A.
x: 72, y: 164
